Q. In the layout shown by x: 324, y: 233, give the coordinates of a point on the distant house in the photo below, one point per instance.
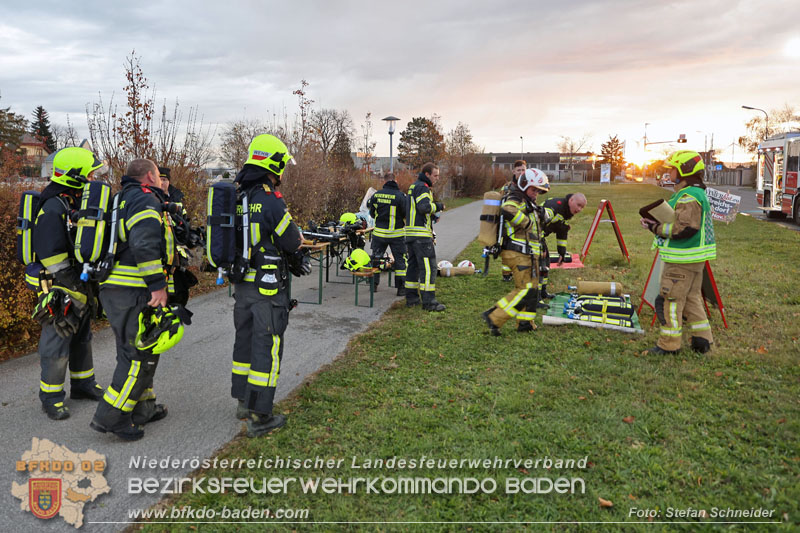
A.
x: 33, y: 151
x: 557, y: 166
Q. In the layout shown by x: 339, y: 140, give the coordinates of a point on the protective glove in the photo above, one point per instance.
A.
x: 299, y: 264
x: 439, y: 206
x: 48, y: 306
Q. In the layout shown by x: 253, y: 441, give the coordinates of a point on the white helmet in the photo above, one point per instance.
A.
x: 534, y: 177
x: 445, y: 264
x: 466, y: 263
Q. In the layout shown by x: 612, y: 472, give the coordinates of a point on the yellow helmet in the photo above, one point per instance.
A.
x: 347, y: 218
x: 358, y: 259
x: 71, y: 166
x: 269, y: 152
x: 687, y: 162
x: 160, y: 328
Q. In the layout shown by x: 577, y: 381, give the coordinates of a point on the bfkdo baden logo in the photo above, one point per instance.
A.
x: 60, y: 482
x: 44, y: 497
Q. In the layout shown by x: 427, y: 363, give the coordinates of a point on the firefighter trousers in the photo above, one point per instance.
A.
x: 680, y: 303
x: 521, y: 302
x: 130, y: 397
x: 57, y: 354
x: 260, y: 323
x: 421, y: 271
x: 399, y: 253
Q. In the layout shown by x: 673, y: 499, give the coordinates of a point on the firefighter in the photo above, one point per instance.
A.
x: 261, y: 311
x: 557, y: 211
x: 388, y: 208
x: 53, y: 239
x: 520, y: 250
x: 421, y: 270
x: 145, y: 255
x: 519, y: 169
x: 182, y: 278
x: 684, y: 245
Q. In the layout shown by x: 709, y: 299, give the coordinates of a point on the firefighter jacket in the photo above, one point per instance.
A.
x: 388, y: 208
x: 270, y: 225
x: 420, y: 208
x: 54, y: 234
x: 556, y: 215
x: 521, y: 224
x: 690, y: 239
x: 145, y: 250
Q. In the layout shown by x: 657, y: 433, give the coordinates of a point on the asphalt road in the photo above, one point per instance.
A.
x: 193, y: 380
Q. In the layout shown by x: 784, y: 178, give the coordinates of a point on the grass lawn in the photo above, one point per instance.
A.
x: 680, y: 432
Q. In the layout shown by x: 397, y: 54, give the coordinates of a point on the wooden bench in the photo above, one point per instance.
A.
x: 366, y: 275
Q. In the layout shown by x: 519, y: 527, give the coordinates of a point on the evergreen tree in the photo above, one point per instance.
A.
x: 12, y: 127
x: 421, y: 142
x: 612, y: 152
x: 340, y: 156
x: 40, y: 128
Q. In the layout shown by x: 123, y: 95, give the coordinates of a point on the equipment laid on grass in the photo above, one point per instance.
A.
x: 616, y: 313
x: 605, y: 288
x: 450, y: 271
x: 605, y: 205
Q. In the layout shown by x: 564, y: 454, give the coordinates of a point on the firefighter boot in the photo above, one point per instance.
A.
x: 701, y: 345
x: 526, y: 327
x: 400, y: 283
x: 242, y: 412
x: 56, y: 411
x: 658, y: 350
x: 92, y: 392
x: 124, y: 430
x: 494, y: 331
x: 259, y: 424
x: 544, y: 295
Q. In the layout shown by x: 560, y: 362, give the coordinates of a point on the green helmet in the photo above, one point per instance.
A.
x: 160, y: 328
x: 347, y: 218
x: 269, y: 152
x: 71, y: 166
x: 688, y: 162
x: 358, y: 259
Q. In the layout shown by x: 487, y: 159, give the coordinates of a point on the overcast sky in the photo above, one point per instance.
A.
x: 507, y: 69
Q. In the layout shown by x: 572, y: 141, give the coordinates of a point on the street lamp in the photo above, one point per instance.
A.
x: 521, y: 150
x: 391, y: 120
x: 766, y: 123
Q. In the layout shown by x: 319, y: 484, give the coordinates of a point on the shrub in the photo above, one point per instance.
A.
x: 16, y: 301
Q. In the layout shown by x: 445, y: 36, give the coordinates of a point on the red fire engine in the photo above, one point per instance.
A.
x: 777, y: 185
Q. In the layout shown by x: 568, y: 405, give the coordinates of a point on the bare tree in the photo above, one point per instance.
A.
x: 120, y: 135
x: 65, y: 135
x: 329, y: 124
x: 236, y: 138
x: 571, y: 147
x: 367, y: 144
x: 780, y: 120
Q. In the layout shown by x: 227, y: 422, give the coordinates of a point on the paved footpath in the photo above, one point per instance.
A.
x: 194, y: 381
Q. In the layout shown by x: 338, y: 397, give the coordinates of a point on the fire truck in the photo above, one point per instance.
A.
x: 777, y: 184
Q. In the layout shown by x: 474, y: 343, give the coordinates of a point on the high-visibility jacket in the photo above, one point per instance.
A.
x: 520, y: 222
x: 53, y: 233
x: 145, y: 251
x: 695, y: 242
x: 270, y: 223
x: 557, y: 213
x: 420, y: 208
x: 388, y: 208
